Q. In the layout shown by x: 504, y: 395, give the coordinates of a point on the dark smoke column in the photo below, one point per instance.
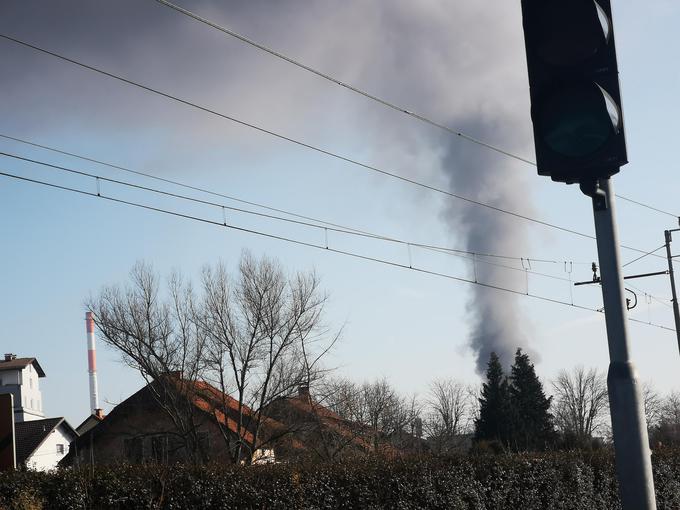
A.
x: 473, y: 171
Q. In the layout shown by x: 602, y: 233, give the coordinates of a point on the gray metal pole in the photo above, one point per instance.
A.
x: 629, y: 427
x: 676, y: 309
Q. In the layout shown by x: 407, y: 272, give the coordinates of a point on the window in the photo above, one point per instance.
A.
x: 60, y: 449
x: 203, y: 441
x: 32, y: 404
x: 133, y: 449
x: 30, y: 382
x: 159, y: 449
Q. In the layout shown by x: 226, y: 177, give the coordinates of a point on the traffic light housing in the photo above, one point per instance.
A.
x: 574, y: 86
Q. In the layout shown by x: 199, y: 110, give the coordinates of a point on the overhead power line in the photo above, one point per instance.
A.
x: 655, y: 298
x: 316, y: 246
x: 466, y: 254
x: 308, y: 146
x: 372, y: 97
x: 332, y: 79
x: 529, y: 260
x: 298, y: 142
x: 643, y: 255
x: 647, y: 206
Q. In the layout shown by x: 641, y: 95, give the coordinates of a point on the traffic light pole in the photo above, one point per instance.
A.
x: 676, y: 309
x: 629, y: 427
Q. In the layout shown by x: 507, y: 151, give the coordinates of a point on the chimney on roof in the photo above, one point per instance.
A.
x: 10, y: 356
x: 303, y: 390
x: 99, y: 413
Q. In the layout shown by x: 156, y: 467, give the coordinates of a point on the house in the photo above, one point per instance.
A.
x: 324, y: 433
x: 327, y: 435
x: 21, y: 377
x: 171, y: 420
x: 90, y: 422
x: 42, y: 444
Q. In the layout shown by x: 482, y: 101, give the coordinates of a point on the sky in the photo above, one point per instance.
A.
x: 460, y: 63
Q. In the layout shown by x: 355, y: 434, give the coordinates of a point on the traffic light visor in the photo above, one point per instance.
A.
x: 570, y: 31
x: 577, y: 121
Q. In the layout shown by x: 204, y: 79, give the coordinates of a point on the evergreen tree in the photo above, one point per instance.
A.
x: 493, y: 422
x: 532, y: 424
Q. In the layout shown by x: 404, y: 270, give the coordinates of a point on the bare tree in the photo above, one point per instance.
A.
x: 667, y: 429
x: 266, y: 338
x: 449, y: 407
x: 581, y: 401
x: 384, y: 420
x: 331, y: 422
x: 158, y: 338
x: 653, y: 404
x: 381, y: 409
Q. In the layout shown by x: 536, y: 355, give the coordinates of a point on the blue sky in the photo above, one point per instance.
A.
x: 461, y: 64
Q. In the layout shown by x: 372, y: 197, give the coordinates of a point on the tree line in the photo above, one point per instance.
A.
x: 260, y: 335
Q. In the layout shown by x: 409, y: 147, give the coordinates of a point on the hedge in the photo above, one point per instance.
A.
x: 568, y: 480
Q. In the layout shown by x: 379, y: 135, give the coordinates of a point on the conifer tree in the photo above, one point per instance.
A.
x: 532, y: 424
x: 493, y: 421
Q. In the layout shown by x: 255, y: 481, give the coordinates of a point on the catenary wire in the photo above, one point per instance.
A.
x: 347, y: 86
x: 655, y: 298
x: 298, y: 142
x: 266, y: 207
x: 370, y: 96
x: 643, y: 256
x: 641, y: 204
x: 312, y: 147
x: 468, y: 255
x: 308, y: 146
x: 319, y: 247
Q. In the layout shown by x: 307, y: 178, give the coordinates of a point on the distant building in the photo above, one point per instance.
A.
x: 20, y: 377
x: 139, y: 430
x: 324, y: 433
x: 90, y: 422
x: 41, y: 444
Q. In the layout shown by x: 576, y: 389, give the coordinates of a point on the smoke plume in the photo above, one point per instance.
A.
x: 460, y: 62
x: 497, y: 324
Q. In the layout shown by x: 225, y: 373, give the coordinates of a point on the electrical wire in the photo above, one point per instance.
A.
x: 316, y: 246
x: 339, y: 227
x: 309, y: 146
x: 655, y: 298
x: 643, y: 256
x: 448, y: 251
x: 648, y: 206
x: 370, y: 96
x: 347, y: 86
x: 300, y: 143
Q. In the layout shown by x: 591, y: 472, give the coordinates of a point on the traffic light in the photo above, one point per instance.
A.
x: 574, y: 86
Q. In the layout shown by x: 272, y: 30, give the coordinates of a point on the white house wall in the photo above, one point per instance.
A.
x: 30, y: 395
x: 46, y: 456
x: 25, y: 386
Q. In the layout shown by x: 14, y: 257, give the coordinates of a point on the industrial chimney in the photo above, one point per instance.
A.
x: 92, y: 363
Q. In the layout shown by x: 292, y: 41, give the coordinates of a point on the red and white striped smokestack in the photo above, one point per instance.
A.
x: 92, y: 363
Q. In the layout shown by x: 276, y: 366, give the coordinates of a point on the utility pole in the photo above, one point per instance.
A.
x: 629, y: 426
x: 676, y: 309
x: 579, y: 137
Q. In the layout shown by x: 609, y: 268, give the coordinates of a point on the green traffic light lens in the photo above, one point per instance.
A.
x: 577, y: 121
x: 571, y: 31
